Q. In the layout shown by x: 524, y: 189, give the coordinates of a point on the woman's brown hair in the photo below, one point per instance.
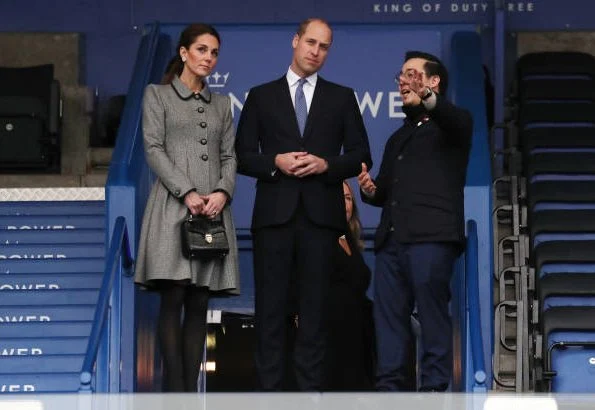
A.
x: 188, y: 36
x: 355, y: 225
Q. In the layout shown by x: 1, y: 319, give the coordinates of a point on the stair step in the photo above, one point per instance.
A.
x: 56, y: 236
x: 53, y: 208
x: 33, y: 281
x: 40, y: 383
x: 49, y: 297
x: 51, y: 222
x: 53, y: 266
x: 68, y: 363
x: 45, y: 329
x: 46, y: 313
x: 51, y: 251
x: 32, y: 346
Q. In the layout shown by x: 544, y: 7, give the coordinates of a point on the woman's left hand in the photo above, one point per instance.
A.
x: 214, y: 204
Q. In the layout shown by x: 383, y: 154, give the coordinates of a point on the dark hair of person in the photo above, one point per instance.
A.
x: 304, y: 25
x: 354, y: 224
x: 433, y: 66
x: 187, y: 38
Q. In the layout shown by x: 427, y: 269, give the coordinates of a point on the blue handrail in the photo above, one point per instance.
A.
x: 473, y: 307
x: 119, y: 260
x: 129, y: 134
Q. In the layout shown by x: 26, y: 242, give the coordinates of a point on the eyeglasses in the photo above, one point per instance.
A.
x: 408, y: 75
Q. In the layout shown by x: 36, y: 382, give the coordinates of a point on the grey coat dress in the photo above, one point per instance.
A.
x: 189, y: 144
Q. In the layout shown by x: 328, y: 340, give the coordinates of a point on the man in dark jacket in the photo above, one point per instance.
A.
x: 420, y: 189
x: 300, y: 136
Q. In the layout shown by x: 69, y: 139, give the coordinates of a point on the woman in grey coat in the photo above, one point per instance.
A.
x: 189, y: 144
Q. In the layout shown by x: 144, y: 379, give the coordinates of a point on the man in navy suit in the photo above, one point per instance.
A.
x: 420, y: 189
x: 300, y: 136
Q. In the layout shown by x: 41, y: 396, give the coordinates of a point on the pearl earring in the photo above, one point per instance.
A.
x: 183, y: 59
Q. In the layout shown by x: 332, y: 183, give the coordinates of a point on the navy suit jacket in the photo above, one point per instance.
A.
x: 334, y: 131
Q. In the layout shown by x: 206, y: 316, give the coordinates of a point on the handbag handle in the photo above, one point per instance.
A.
x: 190, y: 218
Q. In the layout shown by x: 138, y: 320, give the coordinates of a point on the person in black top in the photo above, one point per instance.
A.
x: 420, y: 189
x: 349, y: 359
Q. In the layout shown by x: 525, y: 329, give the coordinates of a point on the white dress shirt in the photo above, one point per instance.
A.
x: 309, y: 85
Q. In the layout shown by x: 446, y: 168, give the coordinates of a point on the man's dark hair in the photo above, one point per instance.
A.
x: 433, y: 66
x: 303, y: 26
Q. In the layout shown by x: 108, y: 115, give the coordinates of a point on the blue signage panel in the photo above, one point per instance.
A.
x: 452, y: 11
x: 520, y: 14
x: 365, y: 58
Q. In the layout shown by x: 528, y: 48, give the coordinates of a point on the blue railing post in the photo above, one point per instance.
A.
x: 119, y: 261
x: 474, y: 308
x: 467, y: 79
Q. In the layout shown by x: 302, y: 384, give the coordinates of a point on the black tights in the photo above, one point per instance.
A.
x: 182, y: 344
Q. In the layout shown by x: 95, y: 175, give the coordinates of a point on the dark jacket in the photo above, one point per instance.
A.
x: 268, y: 127
x: 422, y: 177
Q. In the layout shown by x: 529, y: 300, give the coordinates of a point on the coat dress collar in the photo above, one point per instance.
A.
x: 186, y: 93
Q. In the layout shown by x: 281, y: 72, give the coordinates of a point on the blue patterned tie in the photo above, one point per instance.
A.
x: 301, y: 109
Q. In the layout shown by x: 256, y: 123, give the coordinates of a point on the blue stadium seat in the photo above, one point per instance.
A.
x: 558, y: 88
x: 564, y: 256
x: 556, y: 64
x: 559, y: 137
x: 540, y: 112
x: 561, y: 224
x: 569, y: 349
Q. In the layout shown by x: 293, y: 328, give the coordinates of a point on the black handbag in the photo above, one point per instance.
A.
x: 204, y: 238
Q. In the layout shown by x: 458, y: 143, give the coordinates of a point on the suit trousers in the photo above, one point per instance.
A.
x: 305, y: 250
x: 409, y: 275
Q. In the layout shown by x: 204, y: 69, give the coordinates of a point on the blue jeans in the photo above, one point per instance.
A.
x: 409, y: 275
